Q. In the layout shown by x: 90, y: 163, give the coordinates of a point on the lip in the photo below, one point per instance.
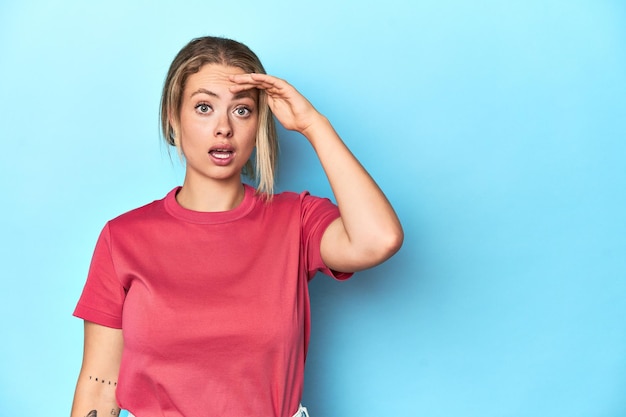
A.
x: 222, y: 146
x: 222, y: 154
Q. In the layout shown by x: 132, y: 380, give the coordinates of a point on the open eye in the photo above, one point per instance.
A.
x: 203, y: 108
x: 242, y: 111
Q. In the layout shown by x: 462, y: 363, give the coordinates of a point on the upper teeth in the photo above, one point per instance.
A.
x: 221, y: 153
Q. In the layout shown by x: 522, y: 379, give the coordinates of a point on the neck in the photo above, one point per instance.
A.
x: 210, y: 197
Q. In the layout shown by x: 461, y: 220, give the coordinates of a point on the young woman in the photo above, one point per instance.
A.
x: 197, y: 304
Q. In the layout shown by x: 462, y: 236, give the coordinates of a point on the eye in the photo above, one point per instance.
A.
x: 203, y: 108
x: 243, y: 111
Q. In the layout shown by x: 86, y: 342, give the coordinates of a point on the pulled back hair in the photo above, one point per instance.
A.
x: 216, y: 50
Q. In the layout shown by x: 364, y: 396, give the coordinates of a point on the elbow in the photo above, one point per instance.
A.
x: 384, y: 246
x: 370, y: 249
x: 391, y: 243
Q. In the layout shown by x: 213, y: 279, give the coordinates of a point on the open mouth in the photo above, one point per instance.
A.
x: 221, y: 153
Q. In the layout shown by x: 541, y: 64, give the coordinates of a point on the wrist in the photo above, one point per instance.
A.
x: 319, y: 124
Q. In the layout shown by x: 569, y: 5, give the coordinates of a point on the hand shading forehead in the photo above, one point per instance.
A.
x: 213, y: 79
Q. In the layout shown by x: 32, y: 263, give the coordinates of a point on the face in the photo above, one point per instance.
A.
x: 217, y: 128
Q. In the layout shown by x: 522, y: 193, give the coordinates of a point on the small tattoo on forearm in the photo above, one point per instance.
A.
x: 102, y: 380
x: 92, y: 413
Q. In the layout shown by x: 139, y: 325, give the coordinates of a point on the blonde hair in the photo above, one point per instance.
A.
x: 216, y: 50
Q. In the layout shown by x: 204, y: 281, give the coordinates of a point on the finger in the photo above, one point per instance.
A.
x: 262, y: 81
x: 256, y: 77
x: 271, y: 92
x: 246, y: 85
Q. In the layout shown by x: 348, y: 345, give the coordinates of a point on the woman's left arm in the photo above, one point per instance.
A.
x: 368, y: 231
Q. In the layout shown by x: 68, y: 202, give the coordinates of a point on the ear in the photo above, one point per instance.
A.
x: 172, y: 120
x: 174, y: 130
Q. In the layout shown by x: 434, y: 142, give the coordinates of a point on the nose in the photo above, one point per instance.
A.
x: 223, y: 128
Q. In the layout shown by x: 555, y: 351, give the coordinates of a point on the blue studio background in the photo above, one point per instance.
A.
x: 497, y: 130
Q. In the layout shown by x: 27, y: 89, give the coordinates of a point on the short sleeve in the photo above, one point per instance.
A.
x: 103, y: 295
x: 316, y: 215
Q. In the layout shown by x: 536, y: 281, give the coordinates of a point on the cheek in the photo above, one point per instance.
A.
x: 194, y: 128
x: 251, y: 139
x: 246, y: 132
x: 253, y: 129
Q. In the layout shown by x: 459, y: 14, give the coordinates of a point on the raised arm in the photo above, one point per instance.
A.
x: 368, y: 231
x: 95, y: 389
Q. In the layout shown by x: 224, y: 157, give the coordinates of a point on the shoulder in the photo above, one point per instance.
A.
x: 287, y: 196
x: 292, y: 198
x: 304, y: 202
x: 139, y: 215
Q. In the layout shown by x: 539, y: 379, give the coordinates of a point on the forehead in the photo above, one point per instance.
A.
x: 212, y: 75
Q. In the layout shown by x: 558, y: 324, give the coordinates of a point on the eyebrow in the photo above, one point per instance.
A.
x: 241, y: 94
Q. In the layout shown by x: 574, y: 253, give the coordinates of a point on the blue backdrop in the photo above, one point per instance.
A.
x: 497, y: 129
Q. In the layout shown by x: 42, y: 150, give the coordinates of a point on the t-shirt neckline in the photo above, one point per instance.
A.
x: 200, y: 217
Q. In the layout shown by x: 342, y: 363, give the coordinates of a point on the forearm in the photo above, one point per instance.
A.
x: 94, y: 398
x: 368, y: 231
x: 371, y: 226
x: 97, y: 380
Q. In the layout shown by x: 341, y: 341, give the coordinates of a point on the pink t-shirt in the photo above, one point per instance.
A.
x: 214, y: 307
